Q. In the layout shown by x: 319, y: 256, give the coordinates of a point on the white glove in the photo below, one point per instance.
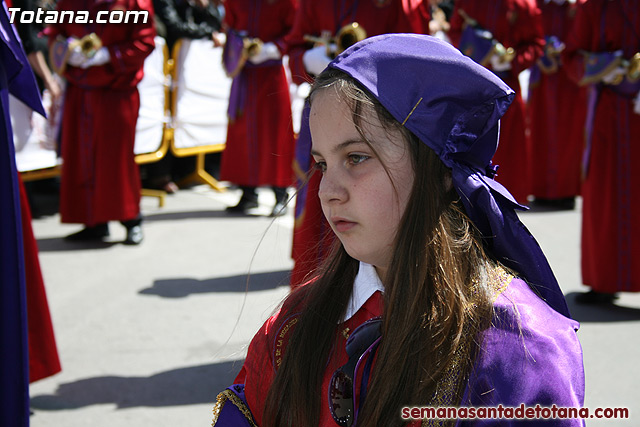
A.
x: 76, y: 57
x: 498, y: 65
x: 636, y: 104
x: 315, y: 60
x: 101, y: 57
x: 269, y: 51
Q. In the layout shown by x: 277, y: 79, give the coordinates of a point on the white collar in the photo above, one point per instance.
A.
x: 366, y: 284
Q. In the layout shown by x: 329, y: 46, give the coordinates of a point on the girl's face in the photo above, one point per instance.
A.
x: 362, y: 201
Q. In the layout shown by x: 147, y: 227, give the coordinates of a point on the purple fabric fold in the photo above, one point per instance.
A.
x: 531, y: 355
x: 454, y: 106
x: 20, y: 77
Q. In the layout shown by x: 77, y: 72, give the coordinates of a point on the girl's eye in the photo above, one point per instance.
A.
x: 321, y: 166
x: 356, y: 159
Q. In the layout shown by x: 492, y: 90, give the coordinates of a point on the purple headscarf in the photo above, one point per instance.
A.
x: 454, y: 106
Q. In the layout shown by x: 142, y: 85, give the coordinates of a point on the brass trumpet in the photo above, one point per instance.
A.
x: 632, y: 67
x: 89, y: 44
x: 347, y: 36
x: 252, y: 46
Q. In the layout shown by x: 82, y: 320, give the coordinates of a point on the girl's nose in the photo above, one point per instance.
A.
x: 332, y: 189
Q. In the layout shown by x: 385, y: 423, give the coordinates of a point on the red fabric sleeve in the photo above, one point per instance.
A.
x: 528, y: 38
x: 128, y: 56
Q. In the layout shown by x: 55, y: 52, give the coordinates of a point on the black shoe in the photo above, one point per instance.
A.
x: 87, y: 234
x: 593, y: 297
x: 134, y: 235
x: 243, y: 205
x: 134, y: 230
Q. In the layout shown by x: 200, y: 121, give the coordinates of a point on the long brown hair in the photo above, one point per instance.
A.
x: 436, y: 298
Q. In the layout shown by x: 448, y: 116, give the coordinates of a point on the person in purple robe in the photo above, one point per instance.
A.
x: 435, y: 295
x: 17, y: 79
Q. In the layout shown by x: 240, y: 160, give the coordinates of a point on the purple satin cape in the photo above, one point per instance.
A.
x: 16, y: 78
x: 454, y: 106
x: 530, y: 355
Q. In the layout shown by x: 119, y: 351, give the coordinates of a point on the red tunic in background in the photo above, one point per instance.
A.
x: 516, y: 24
x: 556, y: 109
x: 43, y: 353
x: 312, y: 233
x: 260, y: 140
x: 100, y: 180
x: 611, y: 191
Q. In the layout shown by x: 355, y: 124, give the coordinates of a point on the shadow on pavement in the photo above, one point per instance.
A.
x: 183, y: 287
x: 184, y: 386
x: 58, y: 244
x: 604, y: 313
x: 171, y: 216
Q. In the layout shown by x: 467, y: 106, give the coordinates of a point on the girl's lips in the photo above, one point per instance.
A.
x: 342, y: 225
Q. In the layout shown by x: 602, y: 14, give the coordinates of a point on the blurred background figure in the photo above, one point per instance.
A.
x: 176, y: 19
x: 507, y: 37
x: 556, y: 112
x: 312, y: 42
x: 603, y: 52
x: 441, y: 11
x: 556, y: 108
x: 260, y: 140
x: 35, y: 44
x: 100, y: 181
x: 190, y: 19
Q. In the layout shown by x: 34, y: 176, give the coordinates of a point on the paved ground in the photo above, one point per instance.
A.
x: 148, y: 335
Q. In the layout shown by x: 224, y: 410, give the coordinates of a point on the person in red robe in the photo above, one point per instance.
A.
x: 515, y: 24
x: 312, y: 235
x: 100, y: 180
x: 605, y: 36
x: 556, y: 109
x: 260, y: 140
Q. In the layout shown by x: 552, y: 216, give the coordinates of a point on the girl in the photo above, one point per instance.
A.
x: 435, y: 294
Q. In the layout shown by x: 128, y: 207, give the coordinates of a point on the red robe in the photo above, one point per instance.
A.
x: 556, y: 110
x: 516, y: 24
x: 100, y: 180
x: 260, y: 140
x: 312, y: 233
x: 611, y: 191
x: 43, y: 353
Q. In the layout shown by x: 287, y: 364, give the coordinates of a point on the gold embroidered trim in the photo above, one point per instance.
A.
x: 231, y: 396
x: 346, y: 333
x: 498, y: 281
x: 412, y: 110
